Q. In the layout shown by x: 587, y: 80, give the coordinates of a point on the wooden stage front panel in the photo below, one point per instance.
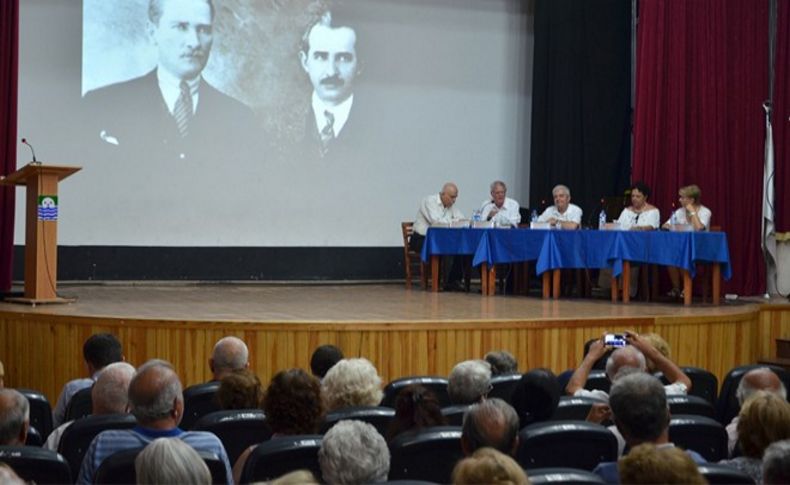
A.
x: 402, y: 332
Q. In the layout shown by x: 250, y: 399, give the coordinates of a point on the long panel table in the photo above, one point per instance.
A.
x: 554, y: 250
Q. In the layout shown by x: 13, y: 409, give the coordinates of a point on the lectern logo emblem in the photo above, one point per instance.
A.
x: 48, y: 208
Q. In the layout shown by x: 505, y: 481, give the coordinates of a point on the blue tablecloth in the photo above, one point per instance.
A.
x: 553, y: 249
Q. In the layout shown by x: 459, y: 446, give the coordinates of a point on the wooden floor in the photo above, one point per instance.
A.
x: 402, y: 332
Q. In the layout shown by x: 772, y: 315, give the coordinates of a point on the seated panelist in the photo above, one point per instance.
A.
x: 691, y: 211
x: 500, y: 209
x: 640, y: 215
x: 562, y: 214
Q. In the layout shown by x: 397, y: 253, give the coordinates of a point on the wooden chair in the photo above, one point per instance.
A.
x: 411, y: 259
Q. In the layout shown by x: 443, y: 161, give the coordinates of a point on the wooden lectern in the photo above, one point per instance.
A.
x: 41, y: 230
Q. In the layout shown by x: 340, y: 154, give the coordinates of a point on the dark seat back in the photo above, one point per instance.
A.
x: 716, y: 474
x: 546, y: 476
x: 429, y: 454
x: 237, y: 429
x: 704, y: 435
x: 704, y: 383
x: 40, y: 411
x: 682, y: 404
x: 597, y: 379
x: 379, y: 416
x: 574, y: 444
x: 455, y: 414
x: 282, y: 455
x: 574, y: 408
x: 437, y: 385
x: 198, y: 401
x: 118, y: 468
x: 78, y: 436
x: 727, y: 406
x: 80, y: 405
x: 502, y: 386
x: 37, y: 465
x: 33, y: 437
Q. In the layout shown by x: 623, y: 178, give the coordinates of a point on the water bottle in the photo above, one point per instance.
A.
x: 476, y: 216
x: 534, y: 216
x: 674, y: 218
x: 602, y: 220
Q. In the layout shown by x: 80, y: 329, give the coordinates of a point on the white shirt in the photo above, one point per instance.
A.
x: 508, y: 214
x: 703, y: 213
x: 628, y: 218
x: 340, y: 112
x: 572, y: 214
x: 170, y: 87
x: 432, y: 211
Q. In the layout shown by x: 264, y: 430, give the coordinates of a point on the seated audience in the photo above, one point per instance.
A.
x: 776, y: 463
x: 323, y: 358
x: 764, y: 419
x: 14, y: 418
x: 293, y: 405
x: 299, y: 477
x: 536, y: 396
x: 469, y: 382
x: 98, y: 351
x: 563, y: 214
x: 659, y: 344
x: 110, y: 395
x: 240, y: 389
x: 648, y: 463
x: 501, y: 210
x: 760, y: 379
x: 353, y: 452
x: 489, y: 466
x: 157, y: 402
x: 641, y: 414
x: 169, y: 460
x: 416, y: 408
x: 502, y: 363
x: 693, y: 213
x: 492, y: 423
x: 351, y: 382
x: 230, y: 354
x: 640, y: 215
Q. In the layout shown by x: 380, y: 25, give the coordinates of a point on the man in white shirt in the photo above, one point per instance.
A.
x: 500, y: 209
x: 759, y: 379
x: 563, y: 214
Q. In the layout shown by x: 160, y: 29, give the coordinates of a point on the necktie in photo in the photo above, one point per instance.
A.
x: 183, y: 109
x: 327, y: 132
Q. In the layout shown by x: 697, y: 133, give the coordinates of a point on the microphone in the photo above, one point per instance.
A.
x: 24, y: 141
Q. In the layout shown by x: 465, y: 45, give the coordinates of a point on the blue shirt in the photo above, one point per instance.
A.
x: 109, y: 442
x: 610, y: 474
x: 71, y: 388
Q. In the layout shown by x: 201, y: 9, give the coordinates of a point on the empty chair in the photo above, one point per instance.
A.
x: 704, y: 435
x: 80, y: 405
x: 574, y: 408
x: 541, y: 476
x: 428, y: 454
x: 412, y: 260
x: 37, y: 465
x: 704, y: 383
x: 33, y: 437
x: 575, y: 444
x: 282, y: 455
x: 455, y: 414
x: 77, y: 437
x: 682, y: 404
x: 198, y: 401
x: 237, y: 429
x: 716, y: 474
x: 438, y: 385
x: 118, y: 468
x: 502, y: 386
x: 727, y: 406
x: 598, y: 380
x: 379, y: 416
x: 40, y: 411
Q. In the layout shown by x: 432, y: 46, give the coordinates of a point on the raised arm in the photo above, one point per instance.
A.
x: 580, y: 375
x: 671, y: 371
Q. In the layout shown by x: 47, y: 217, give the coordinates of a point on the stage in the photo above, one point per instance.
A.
x: 403, y: 332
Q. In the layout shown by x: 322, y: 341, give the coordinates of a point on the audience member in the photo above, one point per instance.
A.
x: 230, y: 354
x: 562, y: 214
x: 776, y: 463
x: 169, y: 460
x: 764, y: 419
x: 416, y: 408
x: 500, y: 209
x: 535, y: 396
x: 293, y: 405
x: 599, y: 364
x: 648, y: 463
x: 353, y: 452
x: 241, y: 389
x: 502, y: 363
x: 659, y: 344
x: 493, y: 423
x: 110, y: 395
x: 14, y: 418
x: 641, y: 414
x: 8, y: 476
x: 351, y: 382
x: 760, y: 379
x: 469, y: 382
x: 489, y: 466
x: 99, y: 351
x: 324, y: 357
x: 299, y: 477
x: 157, y: 402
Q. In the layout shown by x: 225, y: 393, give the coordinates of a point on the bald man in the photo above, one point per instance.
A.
x: 14, y: 418
x: 230, y: 354
x: 760, y: 379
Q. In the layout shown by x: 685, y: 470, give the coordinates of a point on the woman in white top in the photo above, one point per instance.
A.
x: 691, y: 212
x: 640, y: 215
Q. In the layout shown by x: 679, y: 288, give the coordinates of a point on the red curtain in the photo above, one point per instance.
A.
x: 781, y: 113
x: 9, y: 42
x: 701, y: 80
